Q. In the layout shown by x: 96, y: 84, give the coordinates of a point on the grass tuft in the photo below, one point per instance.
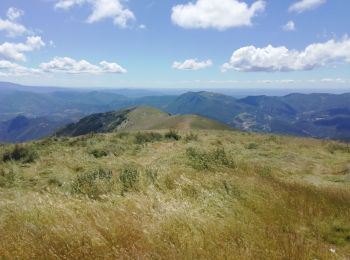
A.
x: 172, y: 135
x: 93, y: 184
x: 20, y: 153
x: 129, y: 177
x: 142, y: 138
x: 202, y: 160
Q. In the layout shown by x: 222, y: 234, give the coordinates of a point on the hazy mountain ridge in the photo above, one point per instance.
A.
x: 312, y: 115
x: 21, y: 128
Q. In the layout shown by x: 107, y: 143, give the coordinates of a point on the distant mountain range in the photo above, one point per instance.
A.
x: 310, y: 115
x: 39, y: 113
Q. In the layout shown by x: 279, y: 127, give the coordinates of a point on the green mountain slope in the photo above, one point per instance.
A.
x: 136, y: 119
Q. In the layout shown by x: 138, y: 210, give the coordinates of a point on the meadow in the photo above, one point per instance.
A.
x: 175, y: 195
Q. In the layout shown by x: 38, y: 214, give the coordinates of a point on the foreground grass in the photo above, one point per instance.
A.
x: 216, y: 195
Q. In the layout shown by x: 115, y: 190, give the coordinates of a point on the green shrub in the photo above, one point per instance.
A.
x: 122, y: 135
x: 7, y: 178
x: 189, y: 191
x: 93, y: 184
x: 173, y: 135
x: 341, y: 147
x: 151, y: 174
x: 20, y: 153
x: 141, y: 138
x: 169, y: 182
x: 202, y: 160
x: 274, y: 139
x: 338, y: 235
x: 232, y: 190
x: 252, y: 146
x: 98, y: 153
x: 129, y: 177
x: 265, y: 171
x: 191, y: 137
x: 54, y: 182
x: 198, y: 159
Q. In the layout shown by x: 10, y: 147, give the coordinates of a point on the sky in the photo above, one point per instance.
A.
x: 301, y: 44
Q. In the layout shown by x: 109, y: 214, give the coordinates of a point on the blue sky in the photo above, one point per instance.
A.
x: 179, y: 43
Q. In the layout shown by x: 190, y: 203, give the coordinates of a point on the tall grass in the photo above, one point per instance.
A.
x: 210, y: 198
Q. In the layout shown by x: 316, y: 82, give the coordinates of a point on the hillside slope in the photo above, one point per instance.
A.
x: 209, y: 195
x: 136, y: 119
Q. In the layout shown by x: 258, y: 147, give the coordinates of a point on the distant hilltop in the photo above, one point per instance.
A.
x: 137, y: 119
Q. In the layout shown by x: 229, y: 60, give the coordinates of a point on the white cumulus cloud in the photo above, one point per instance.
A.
x: 270, y: 58
x: 111, y: 67
x: 192, y: 64
x: 15, y: 51
x: 290, y: 26
x: 304, y: 5
x: 8, y: 68
x: 10, y: 25
x: 71, y: 66
x: 218, y: 14
x: 102, y: 9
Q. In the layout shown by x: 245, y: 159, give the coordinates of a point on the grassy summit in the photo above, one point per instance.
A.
x: 210, y: 194
x: 138, y: 118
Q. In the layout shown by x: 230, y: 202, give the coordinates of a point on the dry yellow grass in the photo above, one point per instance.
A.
x: 213, y: 195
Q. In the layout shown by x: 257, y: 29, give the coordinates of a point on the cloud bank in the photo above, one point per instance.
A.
x: 71, y: 66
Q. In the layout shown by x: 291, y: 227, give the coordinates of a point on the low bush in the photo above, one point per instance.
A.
x: 274, y: 139
x: 93, y: 184
x: 7, y: 178
x: 264, y: 171
x: 340, y: 147
x: 151, y: 174
x: 252, y: 146
x: 191, y: 137
x: 129, y: 177
x: 141, y: 138
x: 53, y: 181
x: 173, y: 135
x: 202, y: 160
x: 98, y: 153
x: 20, y: 153
x: 338, y: 235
